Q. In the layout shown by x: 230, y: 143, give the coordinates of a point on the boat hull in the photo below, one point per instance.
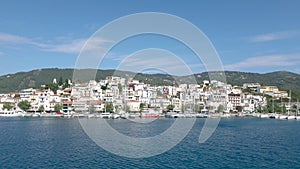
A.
x: 11, y: 114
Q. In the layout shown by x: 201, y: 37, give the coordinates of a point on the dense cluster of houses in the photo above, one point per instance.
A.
x: 116, y: 94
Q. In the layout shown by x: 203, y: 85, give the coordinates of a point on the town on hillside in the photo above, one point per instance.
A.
x: 117, y: 96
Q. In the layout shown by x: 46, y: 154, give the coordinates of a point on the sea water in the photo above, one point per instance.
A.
x: 236, y: 143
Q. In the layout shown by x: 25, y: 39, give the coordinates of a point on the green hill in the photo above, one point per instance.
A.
x: 14, y: 82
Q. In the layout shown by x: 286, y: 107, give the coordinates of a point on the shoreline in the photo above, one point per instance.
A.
x: 156, y: 116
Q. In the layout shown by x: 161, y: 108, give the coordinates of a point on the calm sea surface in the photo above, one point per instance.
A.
x: 237, y: 143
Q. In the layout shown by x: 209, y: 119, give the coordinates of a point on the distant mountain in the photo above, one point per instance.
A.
x: 14, y: 82
x: 282, y: 79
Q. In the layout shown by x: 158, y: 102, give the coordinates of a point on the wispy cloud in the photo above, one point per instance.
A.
x: 266, y: 62
x: 157, y: 60
x: 64, y: 45
x: 9, y: 39
x: 116, y: 56
x: 73, y: 46
x: 275, y: 36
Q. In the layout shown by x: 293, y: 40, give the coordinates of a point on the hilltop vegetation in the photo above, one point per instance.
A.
x: 36, y: 78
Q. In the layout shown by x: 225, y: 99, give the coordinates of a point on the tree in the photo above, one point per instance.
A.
x: 109, y: 107
x: 170, y: 107
x: 120, y: 87
x: 117, y: 108
x: 183, y: 108
x: 24, y: 105
x: 142, y: 105
x: 198, y: 108
x: 259, y: 109
x: 284, y: 109
x: 277, y: 108
x: 159, y: 93
x: 41, y: 108
x: 60, y: 81
x: 8, y: 106
x: 127, y: 108
x: 53, y: 86
x: 220, y: 108
x: 209, y: 107
x: 247, y: 90
x: 104, y: 87
x: 92, y: 108
x: 294, y: 107
x: 239, y: 108
x: 66, y: 84
x: 265, y: 109
x: 57, y: 107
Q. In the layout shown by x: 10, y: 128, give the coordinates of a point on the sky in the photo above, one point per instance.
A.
x: 249, y: 36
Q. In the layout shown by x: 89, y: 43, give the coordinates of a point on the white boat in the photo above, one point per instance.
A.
x: 124, y: 115
x: 175, y: 115
x: 264, y: 116
x: 13, y: 113
x: 215, y: 116
x: 105, y: 115
x: 298, y: 118
x: 292, y: 117
x: 277, y: 116
x: 227, y: 115
x: 67, y: 115
x: 116, y: 116
x: 133, y: 115
x: 190, y: 115
x: 201, y: 115
x: 91, y: 115
x: 36, y: 115
x: 283, y: 117
x: 78, y: 115
x: 27, y: 115
x: 178, y: 115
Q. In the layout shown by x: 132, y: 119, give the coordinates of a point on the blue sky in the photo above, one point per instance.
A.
x: 252, y: 36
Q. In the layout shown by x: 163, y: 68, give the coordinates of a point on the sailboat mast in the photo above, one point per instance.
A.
x: 281, y: 104
x: 297, y: 111
x: 290, y: 102
x: 272, y: 104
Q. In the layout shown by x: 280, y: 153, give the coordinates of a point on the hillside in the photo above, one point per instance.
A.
x: 14, y: 82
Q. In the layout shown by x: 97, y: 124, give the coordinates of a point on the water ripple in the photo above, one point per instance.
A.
x: 237, y: 143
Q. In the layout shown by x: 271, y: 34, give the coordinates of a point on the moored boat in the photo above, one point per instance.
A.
x: 116, y: 116
x: 277, y: 116
x: 149, y: 115
x: 36, y: 115
x: 291, y: 117
x: 105, y: 115
x: 264, y: 116
x: 201, y: 115
x: 133, y: 115
x: 282, y: 117
x: 226, y: 115
x: 13, y: 113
